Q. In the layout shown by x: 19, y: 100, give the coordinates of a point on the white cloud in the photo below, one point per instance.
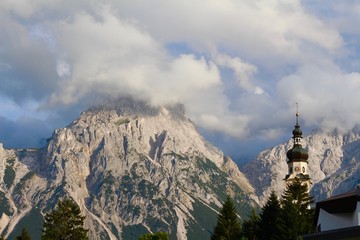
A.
x: 272, y: 133
x: 63, y: 69
x: 114, y: 57
x: 243, y: 70
x: 329, y: 97
x: 259, y: 30
x: 246, y: 63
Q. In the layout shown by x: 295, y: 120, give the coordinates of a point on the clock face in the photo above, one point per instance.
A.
x: 297, y: 169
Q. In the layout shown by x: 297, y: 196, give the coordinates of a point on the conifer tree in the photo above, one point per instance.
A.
x: 65, y: 222
x: 296, y: 215
x: 250, y: 227
x: 24, y: 235
x: 269, y: 223
x: 228, y: 226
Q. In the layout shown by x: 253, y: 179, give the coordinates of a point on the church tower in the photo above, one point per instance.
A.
x: 297, y: 158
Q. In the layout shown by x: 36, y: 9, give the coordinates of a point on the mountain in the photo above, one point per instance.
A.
x: 334, y: 165
x: 131, y: 168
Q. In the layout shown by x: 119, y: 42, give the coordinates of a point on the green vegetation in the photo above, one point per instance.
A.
x: 180, y: 157
x: 250, y: 227
x: 155, y: 236
x: 133, y: 232
x: 24, y: 235
x: 32, y: 222
x: 122, y: 121
x: 21, y: 183
x: 296, y: 217
x: 270, y: 218
x: 5, y: 205
x: 227, y: 226
x: 64, y: 222
x: 205, y: 221
x: 206, y: 166
x: 147, y: 189
x: 287, y: 219
x: 9, y: 175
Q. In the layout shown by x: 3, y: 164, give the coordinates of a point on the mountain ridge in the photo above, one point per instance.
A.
x: 131, y: 170
x: 134, y: 168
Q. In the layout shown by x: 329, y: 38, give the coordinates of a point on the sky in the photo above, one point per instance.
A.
x: 239, y: 67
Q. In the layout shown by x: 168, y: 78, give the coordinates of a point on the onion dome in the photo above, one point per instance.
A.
x: 297, y: 153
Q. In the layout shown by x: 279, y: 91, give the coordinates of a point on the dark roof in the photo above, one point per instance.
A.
x: 339, y: 234
x: 301, y: 176
x: 342, y: 203
x: 297, y: 154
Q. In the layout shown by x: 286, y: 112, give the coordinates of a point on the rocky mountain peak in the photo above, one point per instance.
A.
x: 132, y: 107
x: 131, y: 168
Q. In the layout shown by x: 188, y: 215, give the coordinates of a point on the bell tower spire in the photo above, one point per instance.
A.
x: 297, y: 133
x: 297, y: 157
x: 297, y: 114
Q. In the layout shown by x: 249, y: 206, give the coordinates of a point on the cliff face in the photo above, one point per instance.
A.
x: 334, y: 160
x: 131, y: 168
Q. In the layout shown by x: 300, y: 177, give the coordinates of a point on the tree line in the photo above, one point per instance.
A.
x: 65, y: 222
x: 286, y: 218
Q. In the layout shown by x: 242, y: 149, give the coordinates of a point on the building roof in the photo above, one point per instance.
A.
x: 339, y: 234
x: 342, y: 203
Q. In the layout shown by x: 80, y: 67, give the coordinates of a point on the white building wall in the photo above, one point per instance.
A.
x: 297, y: 167
x: 356, y: 218
x: 330, y: 221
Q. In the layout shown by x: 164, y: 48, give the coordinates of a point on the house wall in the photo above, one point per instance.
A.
x: 330, y: 221
x: 356, y: 218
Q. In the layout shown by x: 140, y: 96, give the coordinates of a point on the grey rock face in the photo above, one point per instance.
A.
x: 131, y: 168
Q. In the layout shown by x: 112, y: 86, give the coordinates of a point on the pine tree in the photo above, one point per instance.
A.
x: 228, y: 226
x: 269, y: 223
x: 250, y: 228
x: 24, y: 235
x: 296, y: 215
x: 65, y: 222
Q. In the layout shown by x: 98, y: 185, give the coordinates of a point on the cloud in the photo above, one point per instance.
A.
x: 242, y: 70
x: 127, y: 60
x: 329, y: 97
x: 63, y: 69
x: 257, y: 30
x: 239, y: 66
x: 27, y: 67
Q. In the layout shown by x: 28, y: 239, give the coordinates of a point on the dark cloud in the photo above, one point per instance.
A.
x: 28, y: 71
x: 24, y: 133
